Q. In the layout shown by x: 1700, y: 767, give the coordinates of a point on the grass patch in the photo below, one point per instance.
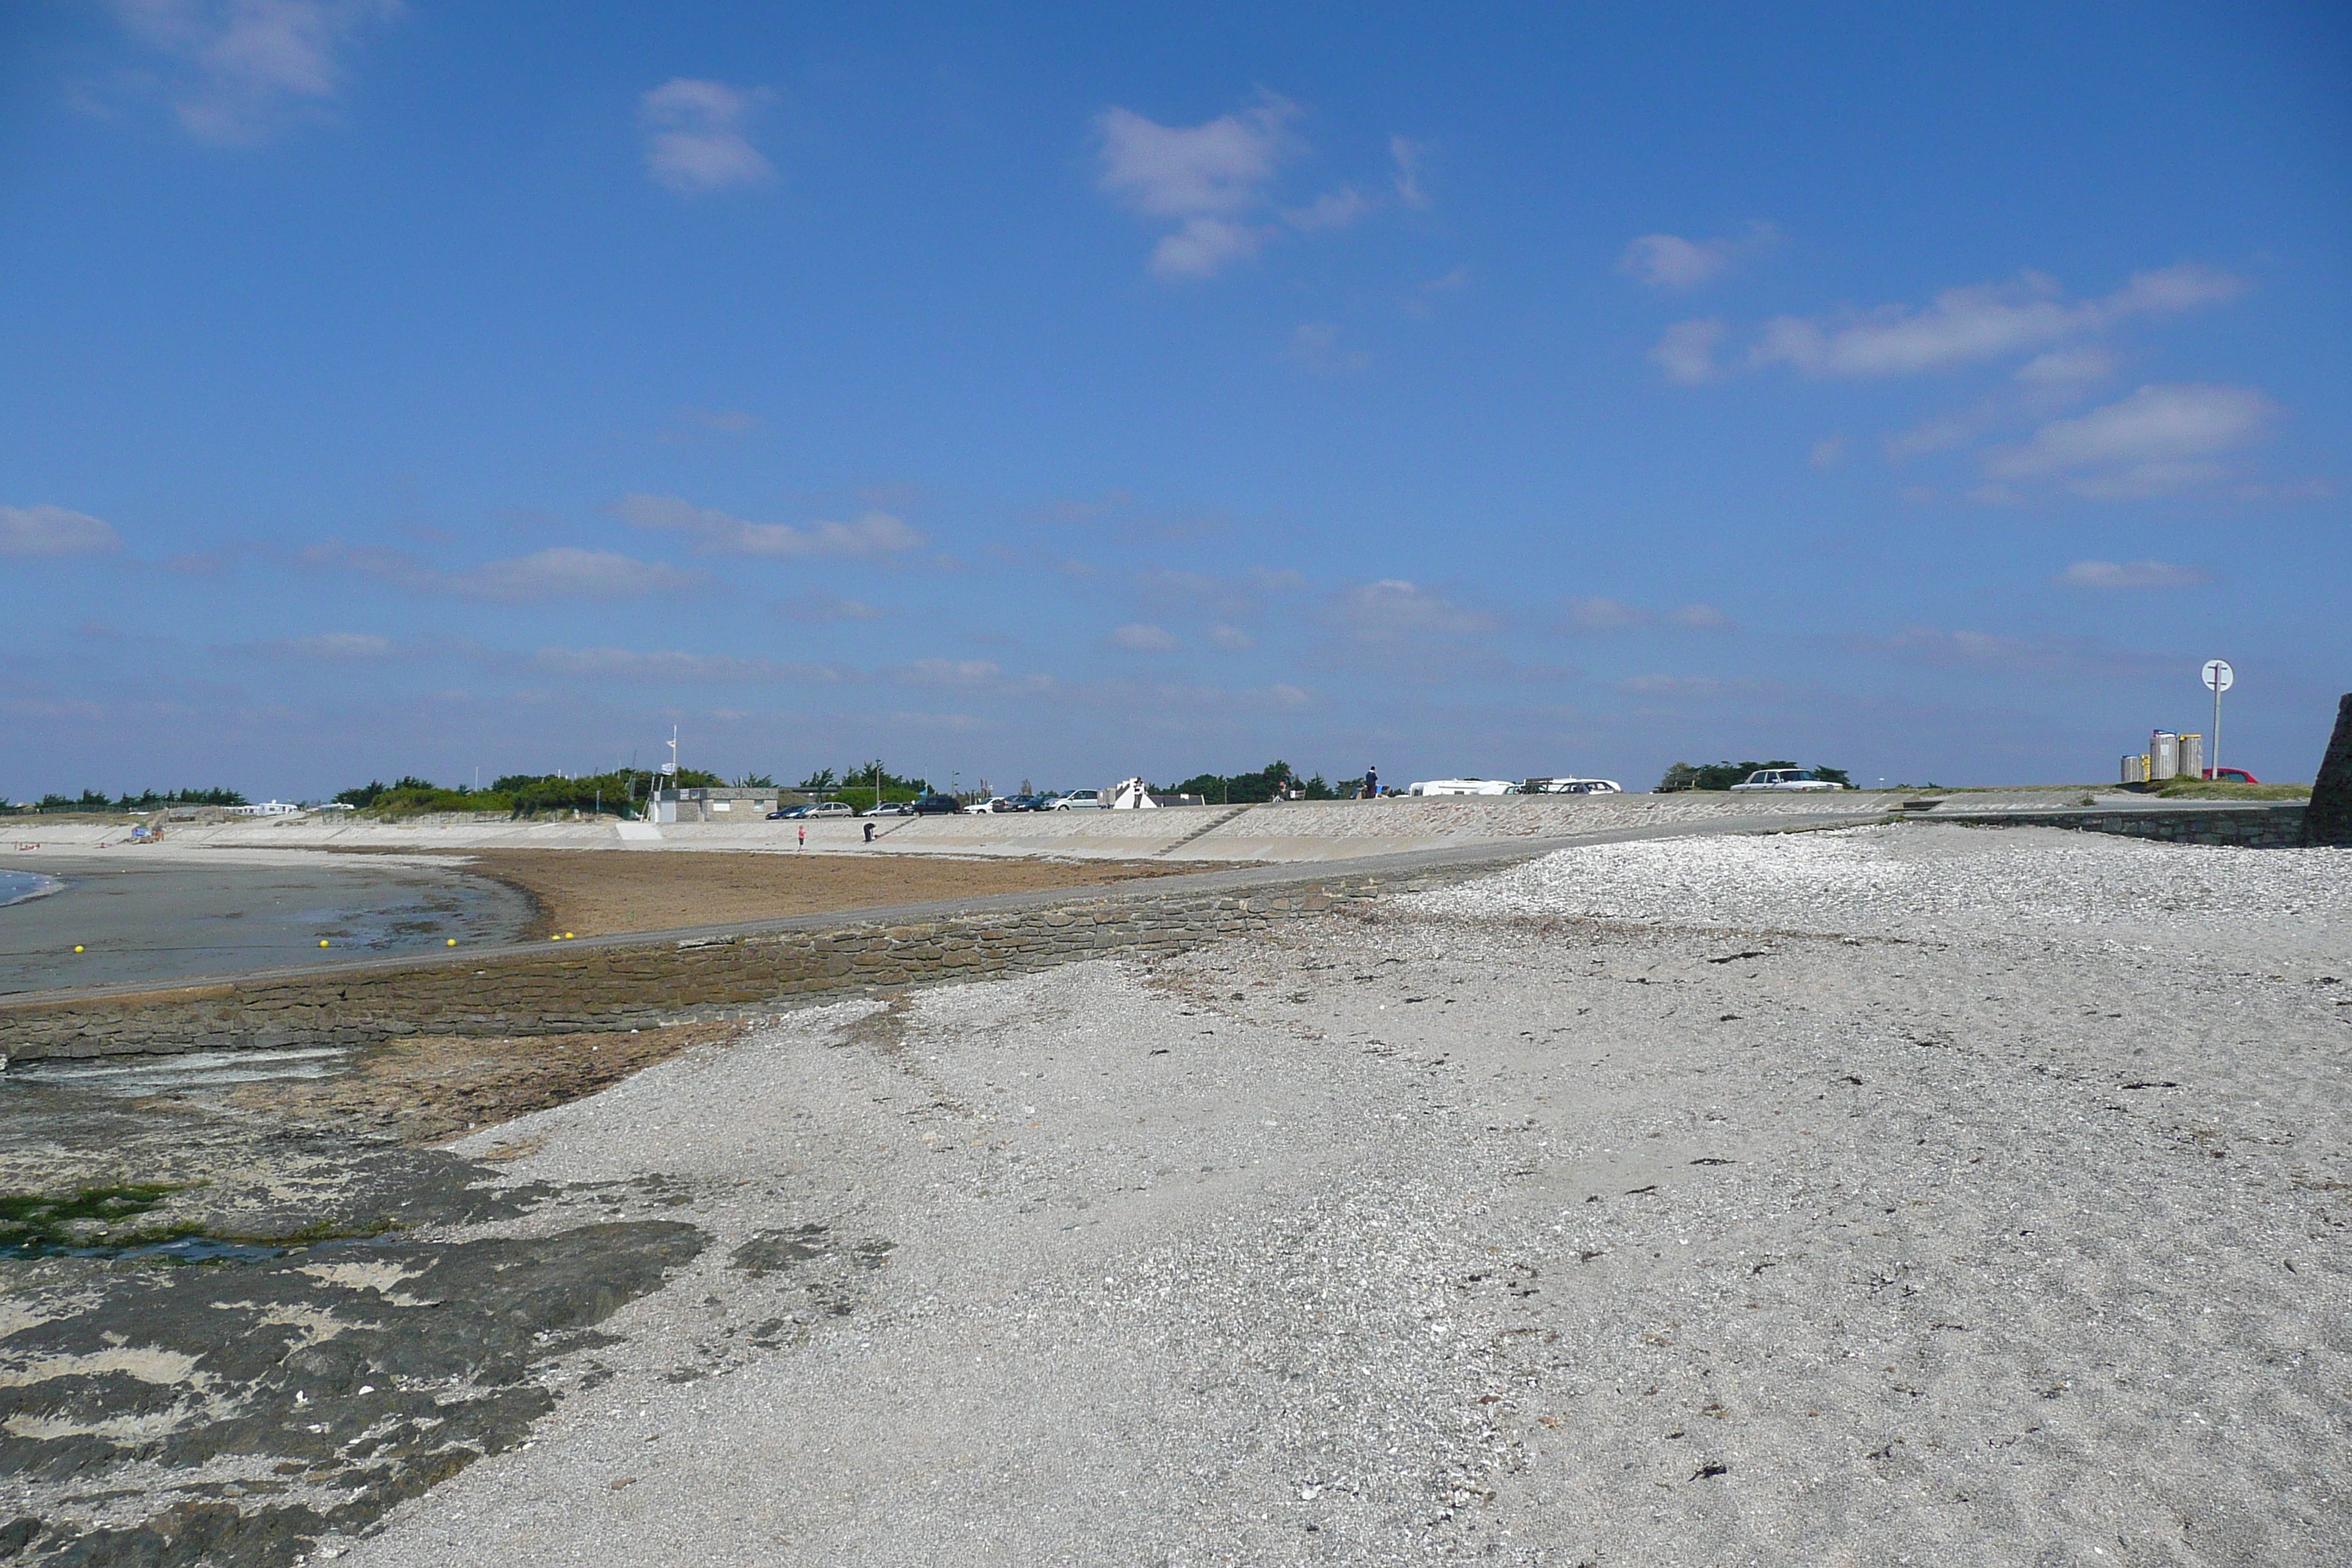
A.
x: 2211, y: 789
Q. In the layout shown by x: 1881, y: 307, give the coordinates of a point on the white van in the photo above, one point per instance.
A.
x: 1463, y: 786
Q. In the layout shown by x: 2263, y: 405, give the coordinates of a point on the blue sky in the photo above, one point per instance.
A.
x: 398, y: 385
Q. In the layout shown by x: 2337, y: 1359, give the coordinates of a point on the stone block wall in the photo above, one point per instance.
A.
x: 622, y: 983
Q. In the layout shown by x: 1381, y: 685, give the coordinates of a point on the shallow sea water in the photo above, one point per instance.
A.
x: 140, y: 922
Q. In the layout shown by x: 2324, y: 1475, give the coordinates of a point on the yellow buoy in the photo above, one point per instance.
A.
x: 453, y: 942
x: 77, y: 947
x: 322, y: 942
x: 567, y: 936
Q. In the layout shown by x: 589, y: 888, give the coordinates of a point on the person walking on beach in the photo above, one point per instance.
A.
x: 870, y: 833
x: 804, y: 836
x: 1371, y: 783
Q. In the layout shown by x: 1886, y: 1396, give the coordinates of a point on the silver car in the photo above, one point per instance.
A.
x: 1785, y: 779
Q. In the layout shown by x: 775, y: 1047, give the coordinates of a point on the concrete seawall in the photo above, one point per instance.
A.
x: 1295, y: 831
x: 2262, y: 824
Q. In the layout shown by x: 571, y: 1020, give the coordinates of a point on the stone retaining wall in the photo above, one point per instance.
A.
x: 621, y: 983
x: 2264, y: 827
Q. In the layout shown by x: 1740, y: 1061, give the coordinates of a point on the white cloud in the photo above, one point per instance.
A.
x: 1231, y: 639
x: 338, y: 646
x: 1702, y: 617
x: 2128, y: 575
x: 1183, y: 171
x: 1202, y: 246
x: 1668, y: 261
x: 628, y: 664
x: 695, y: 136
x: 1935, y: 435
x: 1663, y: 261
x: 1136, y: 636
x: 1971, y: 324
x: 1826, y: 454
x: 1606, y: 616
x: 2074, y: 657
x: 949, y: 672
x: 875, y: 536
x: 246, y: 64
x: 1332, y: 209
x: 1408, y: 156
x: 567, y: 573
x: 817, y: 605
x: 52, y: 531
x: 689, y: 423
x: 1214, y: 184
x: 2158, y: 440
x: 1687, y: 353
x: 1687, y: 687
x: 2067, y: 367
x: 1393, y: 610
x: 1315, y: 347
x: 1221, y: 598
x: 563, y: 573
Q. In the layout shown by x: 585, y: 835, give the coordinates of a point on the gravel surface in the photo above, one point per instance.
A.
x: 1812, y: 1199
x: 1965, y: 883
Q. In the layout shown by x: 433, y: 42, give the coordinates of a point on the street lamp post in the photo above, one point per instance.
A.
x: 2220, y: 677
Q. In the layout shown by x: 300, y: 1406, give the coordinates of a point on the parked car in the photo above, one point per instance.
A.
x: 789, y: 813
x: 2230, y: 776
x: 937, y: 805
x: 1785, y: 779
x: 1571, y: 786
x: 830, y: 808
x: 894, y: 808
x: 1077, y: 800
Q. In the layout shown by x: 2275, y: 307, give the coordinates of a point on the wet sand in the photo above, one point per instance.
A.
x: 595, y: 893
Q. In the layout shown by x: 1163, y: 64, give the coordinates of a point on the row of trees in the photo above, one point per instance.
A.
x: 145, y: 800
x: 1723, y: 775
x: 1276, y: 777
x: 865, y: 785
x: 616, y: 794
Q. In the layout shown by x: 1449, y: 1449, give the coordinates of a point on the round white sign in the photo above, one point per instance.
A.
x: 2219, y: 676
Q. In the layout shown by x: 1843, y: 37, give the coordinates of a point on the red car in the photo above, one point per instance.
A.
x: 2230, y: 776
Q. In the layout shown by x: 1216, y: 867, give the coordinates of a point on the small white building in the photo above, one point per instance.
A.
x: 1463, y: 786
x: 711, y: 804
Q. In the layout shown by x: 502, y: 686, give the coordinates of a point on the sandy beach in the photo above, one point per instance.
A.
x: 594, y: 893
x: 1902, y: 1195
x: 1497, y: 1231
